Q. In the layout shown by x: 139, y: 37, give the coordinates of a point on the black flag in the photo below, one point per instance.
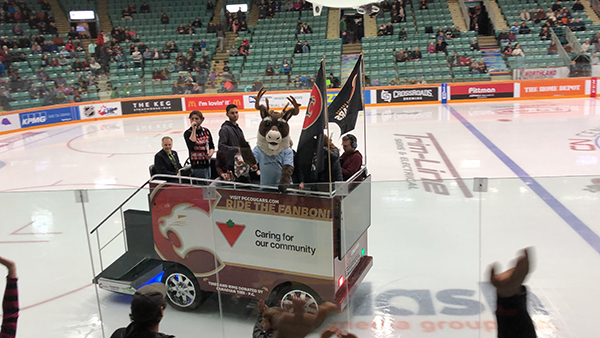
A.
x: 349, y: 101
x: 310, y: 147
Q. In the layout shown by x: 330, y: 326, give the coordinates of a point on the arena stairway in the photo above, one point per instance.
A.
x: 494, y: 61
x: 492, y: 57
x: 348, y: 62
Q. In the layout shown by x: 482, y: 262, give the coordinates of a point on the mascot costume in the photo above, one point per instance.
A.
x: 272, y: 152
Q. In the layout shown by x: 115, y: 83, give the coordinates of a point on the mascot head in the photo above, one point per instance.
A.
x: 274, y: 131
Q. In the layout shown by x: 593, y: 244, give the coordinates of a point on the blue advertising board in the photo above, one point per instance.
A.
x: 48, y: 116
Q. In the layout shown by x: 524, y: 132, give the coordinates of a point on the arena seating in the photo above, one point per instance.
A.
x: 156, y: 35
x: 274, y: 39
x: 536, y: 50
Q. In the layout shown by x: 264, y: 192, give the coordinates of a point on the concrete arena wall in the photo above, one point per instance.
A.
x: 13, y: 121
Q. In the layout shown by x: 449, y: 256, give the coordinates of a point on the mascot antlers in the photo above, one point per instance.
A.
x: 272, y: 151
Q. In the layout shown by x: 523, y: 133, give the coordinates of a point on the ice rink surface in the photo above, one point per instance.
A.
x: 431, y: 244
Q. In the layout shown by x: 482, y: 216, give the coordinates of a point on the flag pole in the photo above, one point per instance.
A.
x: 327, y: 127
x: 362, y: 89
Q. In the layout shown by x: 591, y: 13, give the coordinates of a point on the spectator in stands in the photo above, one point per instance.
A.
x: 156, y: 55
x: 518, y: 51
x: 45, y: 62
x: 137, y: 58
x: 550, y: 16
x: 578, y: 25
x: 524, y: 29
x: 448, y: 34
x: 474, y: 45
x: 416, y: 54
x: 502, y: 36
x: 145, y: 8
x: 62, y: 60
x: 2, y: 69
x: 157, y: 75
x: 482, y: 67
x: 257, y: 85
x: 431, y: 48
x: 423, y: 4
x: 210, y: 6
x: 306, y: 47
x: 78, y: 45
x: 18, y: 31
x: 402, y: 35
x: 220, y: 36
x: 334, y: 81
x: 270, y: 71
x: 557, y: 6
x: 34, y: 94
x: 298, y: 48
x: 164, y: 19
x: 127, y: 91
x: 512, y: 36
x: 465, y: 60
x: 533, y: 15
x: 507, y: 50
x: 585, y: 46
x: 126, y: 14
x: 389, y: 29
x: 233, y: 51
x: 382, y: 30
x: 455, y: 60
x: 595, y: 60
x: 545, y: 34
x: 190, y: 29
x: 441, y: 47
x: 525, y: 16
x: 286, y: 67
x: 197, y: 23
x: 42, y: 75
x: 515, y: 28
x: 54, y: 63
x: 147, y: 55
x: 578, y: 6
x: 540, y: 15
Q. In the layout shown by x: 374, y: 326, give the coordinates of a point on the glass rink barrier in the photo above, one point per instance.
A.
x: 377, y: 259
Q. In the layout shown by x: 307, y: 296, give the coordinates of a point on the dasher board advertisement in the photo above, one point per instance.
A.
x: 245, y: 232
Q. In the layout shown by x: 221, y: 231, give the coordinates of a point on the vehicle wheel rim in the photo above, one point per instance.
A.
x: 310, y: 306
x: 180, y: 289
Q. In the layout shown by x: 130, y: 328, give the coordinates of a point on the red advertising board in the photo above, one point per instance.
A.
x: 481, y: 91
x: 213, y: 102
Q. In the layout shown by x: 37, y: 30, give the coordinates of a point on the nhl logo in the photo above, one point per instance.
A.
x: 88, y: 111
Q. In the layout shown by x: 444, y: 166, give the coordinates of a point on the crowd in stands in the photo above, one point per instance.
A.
x: 352, y: 30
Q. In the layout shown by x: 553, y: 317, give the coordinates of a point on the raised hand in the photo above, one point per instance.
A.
x: 509, y: 282
x: 10, y: 265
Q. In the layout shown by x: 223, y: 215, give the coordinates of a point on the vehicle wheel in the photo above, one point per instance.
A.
x: 183, y: 291
x: 303, y: 292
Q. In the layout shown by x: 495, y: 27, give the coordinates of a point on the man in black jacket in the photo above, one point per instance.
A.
x: 166, y: 161
x: 229, y: 134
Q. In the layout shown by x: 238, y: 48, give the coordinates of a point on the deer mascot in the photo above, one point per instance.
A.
x: 272, y: 152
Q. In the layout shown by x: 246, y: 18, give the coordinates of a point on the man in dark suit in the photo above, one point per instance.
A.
x: 166, y: 161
